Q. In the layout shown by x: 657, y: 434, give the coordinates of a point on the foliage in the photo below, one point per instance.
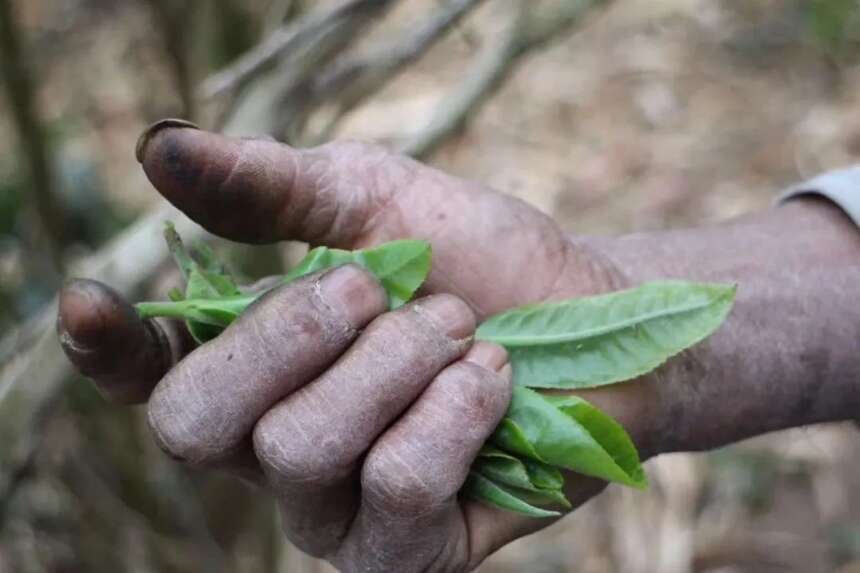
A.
x: 589, y: 342
x: 833, y: 25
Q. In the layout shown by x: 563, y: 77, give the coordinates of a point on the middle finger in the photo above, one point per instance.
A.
x: 310, y: 444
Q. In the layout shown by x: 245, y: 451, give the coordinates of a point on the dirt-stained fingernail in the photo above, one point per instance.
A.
x: 81, y: 320
x: 488, y: 355
x: 147, y: 134
x: 355, y: 293
x: 450, y: 314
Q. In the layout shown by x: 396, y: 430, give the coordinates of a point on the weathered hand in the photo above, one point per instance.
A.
x: 363, y: 422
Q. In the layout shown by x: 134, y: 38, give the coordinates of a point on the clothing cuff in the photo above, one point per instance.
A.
x: 842, y: 187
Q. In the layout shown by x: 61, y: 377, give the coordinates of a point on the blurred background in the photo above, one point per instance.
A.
x: 612, y: 116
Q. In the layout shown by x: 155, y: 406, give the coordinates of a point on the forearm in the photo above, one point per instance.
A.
x: 788, y: 355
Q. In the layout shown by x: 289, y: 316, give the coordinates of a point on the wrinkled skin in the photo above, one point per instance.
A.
x: 363, y: 423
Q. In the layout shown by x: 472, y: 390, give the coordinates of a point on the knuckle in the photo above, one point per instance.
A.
x: 351, y: 179
x: 292, y: 456
x: 419, y: 346
x: 367, y: 178
x: 288, y: 312
x: 182, y: 434
x: 482, y: 394
x: 250, y: 167
x: 395, y: 481
x: 450, y: 315
x: 190, y: 416
x: 390, y: 324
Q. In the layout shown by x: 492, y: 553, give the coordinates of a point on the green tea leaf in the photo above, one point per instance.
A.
x: 485, y: 490
x: 512, y: 471
x: 401, y: 266
x: 606, y: 431
x: 509, y: 436
x: 177, y: 249
x: 206, y: 278
x: 558, y: 438
x: 318, y: 259
x: 212, y: 300
x: 204, y: 285
x: 539, y: 497
x: 202, y: 332
x: 502, y: 468
x: 206, y: 258
x: 544, y: 476
x: 594, y: 341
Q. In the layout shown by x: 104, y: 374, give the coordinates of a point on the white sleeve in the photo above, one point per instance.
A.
x: 842, y: 187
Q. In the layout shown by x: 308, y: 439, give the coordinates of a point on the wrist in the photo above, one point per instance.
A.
x: 785, y: 357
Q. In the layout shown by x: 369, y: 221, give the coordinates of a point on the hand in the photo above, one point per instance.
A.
x: 363, y: 423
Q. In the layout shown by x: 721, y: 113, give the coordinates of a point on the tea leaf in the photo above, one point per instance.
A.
x: 206, y: 258
x: 509, y: 436
x: 485, y: 490
x: 524, y: 473
x: 539, y: 497
x: 212, y: 300
x: 318, y: 259
x: 605, y: 431
x: 594, y: 341
x: 205, y: 278
x: 401, y: 266
x: 544, y: 476
x: 177, y: 249
x: 584, y: 443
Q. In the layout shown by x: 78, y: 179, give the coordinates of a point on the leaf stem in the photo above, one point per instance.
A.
x: 218, y: 312
x: 162, y: 308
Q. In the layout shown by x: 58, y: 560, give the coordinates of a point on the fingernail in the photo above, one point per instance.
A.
x: 450, y: 314
x: 507, y: 372
x: 487, y: 355
x: 79, y: 320
x: 355, y: 293
x: 147, y: 134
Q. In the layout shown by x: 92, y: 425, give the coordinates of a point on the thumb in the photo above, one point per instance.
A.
x: 259, y: 191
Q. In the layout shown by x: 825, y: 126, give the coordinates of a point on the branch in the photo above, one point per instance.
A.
x: 543, y: 28
x: 486, y: 75
x: 100, y: 497
x: 17, y: 475
x: 30, y: 379
x: 48, y: 225
x: 525, y: 33
x: 173, y: 20
x: 280, y: 42
x: 355, y: 79
x: 296, y: 100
